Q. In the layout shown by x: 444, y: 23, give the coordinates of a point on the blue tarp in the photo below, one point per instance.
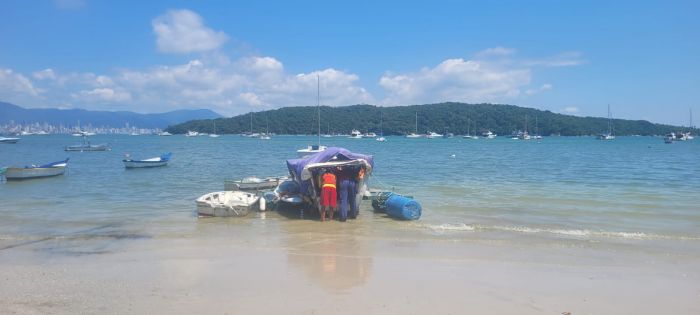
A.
x: 52, y: 164
x: 296, y: 166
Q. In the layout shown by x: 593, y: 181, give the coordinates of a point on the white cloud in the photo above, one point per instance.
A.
x: 455, y: 80
x: 544, y: 87
x: 46, y: 74
x: 183, y: 31
x: 250, y: 98
x: 11, y: 83
x: 495, y: 52
x: 565, y: 59
x: 103, y: 94
x: 571, y: 110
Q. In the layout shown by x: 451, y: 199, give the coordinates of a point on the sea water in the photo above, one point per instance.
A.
x: 633, y: 191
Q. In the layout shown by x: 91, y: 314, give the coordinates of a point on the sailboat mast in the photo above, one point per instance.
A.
x: 690, y: 112
x: 381, y: 124
x: 251, y: 122
x: 416, y: 123
x: 609, y: 121
x: 318, y: 105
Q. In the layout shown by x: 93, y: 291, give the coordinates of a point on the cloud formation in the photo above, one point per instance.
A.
x: 211, y: 80
x: 183, y: 31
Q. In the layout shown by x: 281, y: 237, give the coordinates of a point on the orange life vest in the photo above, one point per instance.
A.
x: 328, y: 180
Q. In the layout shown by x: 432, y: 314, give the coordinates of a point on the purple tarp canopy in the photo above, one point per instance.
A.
x: 332, y: 154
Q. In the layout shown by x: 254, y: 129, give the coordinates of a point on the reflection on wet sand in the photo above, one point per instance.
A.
x: 331, y: 254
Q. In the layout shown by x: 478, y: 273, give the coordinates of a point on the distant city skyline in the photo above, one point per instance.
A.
x: 572, y: 58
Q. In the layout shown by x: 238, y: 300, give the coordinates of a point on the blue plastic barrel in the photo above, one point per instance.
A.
x: 404, y: 208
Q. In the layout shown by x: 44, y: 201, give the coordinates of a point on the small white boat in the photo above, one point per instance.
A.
x: 524, y: 136
x: 152, y: 162
x: 254, y: 183
x: 8, y: 140
x: 213, y: 135
x: 433, y: 135
x: 191, y: 133
x: 165, y: 134
x: 33, y: 171
x: 229, y: 204
x: 312, y: 149
x: 381, y: 139
x: 86, y: 146
x: 489, y: 135
x: 370, y: 135
x: 264, y: 137
x: 355, y: 134
x: 669, y: 138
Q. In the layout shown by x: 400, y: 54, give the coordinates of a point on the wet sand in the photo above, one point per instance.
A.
x: 307, y: 267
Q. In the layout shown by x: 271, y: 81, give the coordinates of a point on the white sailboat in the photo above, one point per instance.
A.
x: 415, y: 133
x: 213, y: 135
x: 266, y: 135
x: 524, y: 135
x: 313, y: 149
x: 381, y: 128
x: 609, y: 135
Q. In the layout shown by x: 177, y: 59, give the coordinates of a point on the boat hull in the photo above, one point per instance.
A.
x: 227, y: 204
x: 81, y: 148
x: 8, y: 140
x: 17, y: 173
x: 144, y: 164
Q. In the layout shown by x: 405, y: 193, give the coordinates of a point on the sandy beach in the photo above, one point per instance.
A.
x: 278, y: 266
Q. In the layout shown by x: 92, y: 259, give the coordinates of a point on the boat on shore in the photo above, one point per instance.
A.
x: 8, y: 140
x: 254, y: 183
x: 229, y: 204
x: 152, y: 162
x: 33, y: 171
x: 305, y: 173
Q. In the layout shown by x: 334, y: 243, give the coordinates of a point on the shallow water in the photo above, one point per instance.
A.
x: 633, y: 191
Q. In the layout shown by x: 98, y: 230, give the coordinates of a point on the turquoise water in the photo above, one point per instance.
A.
x: 631, y: 190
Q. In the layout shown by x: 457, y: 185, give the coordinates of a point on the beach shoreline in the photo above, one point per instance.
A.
x: 333, y: 267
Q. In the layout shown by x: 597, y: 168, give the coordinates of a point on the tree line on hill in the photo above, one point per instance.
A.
x: 457, y: 118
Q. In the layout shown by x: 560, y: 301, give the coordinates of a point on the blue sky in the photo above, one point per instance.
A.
x: 641, y: 57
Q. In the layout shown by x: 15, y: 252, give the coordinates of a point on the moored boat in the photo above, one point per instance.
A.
x: 228, y: 204
x: 312, y: 149
x: 86, y: 146
x: 152, y: 162
x: 8, y: 140
x: 33, y: 171
x: 355, y: 134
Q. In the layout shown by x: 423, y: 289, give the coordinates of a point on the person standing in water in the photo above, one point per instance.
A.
x: 329, y: 200
x: 347, y: 188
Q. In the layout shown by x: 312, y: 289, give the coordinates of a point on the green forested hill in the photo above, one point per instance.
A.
x: 400, y: 120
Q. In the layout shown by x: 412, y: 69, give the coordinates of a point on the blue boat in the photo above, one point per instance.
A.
x: 152, y: 162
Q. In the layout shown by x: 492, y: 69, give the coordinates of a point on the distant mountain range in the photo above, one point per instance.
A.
x: 71, y: 117
x: 457, y: 118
